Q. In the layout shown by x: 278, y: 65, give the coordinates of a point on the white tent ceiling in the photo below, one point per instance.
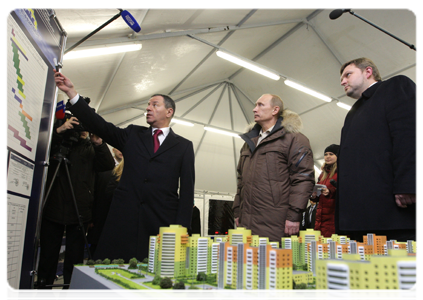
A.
x: 302, y: 44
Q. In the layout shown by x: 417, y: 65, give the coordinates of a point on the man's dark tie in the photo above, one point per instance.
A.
x: 156, y: 139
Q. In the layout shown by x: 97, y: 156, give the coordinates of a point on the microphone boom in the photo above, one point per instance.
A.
x: 335, y: 14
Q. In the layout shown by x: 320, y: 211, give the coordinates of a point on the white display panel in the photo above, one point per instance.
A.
x: 19, y: 175
x: 27, y: 75
x: 17, y: 210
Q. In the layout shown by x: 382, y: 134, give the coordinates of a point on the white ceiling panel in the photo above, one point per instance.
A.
x: 303, y: 44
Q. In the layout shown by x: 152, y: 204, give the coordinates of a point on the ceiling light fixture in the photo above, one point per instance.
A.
x: 343, y: 105
x: 182, y: 122
x: 103, y: 50
x: 233, y: 134
x: 307, y: 90
x: 317, y: 170
x: 249, y: 64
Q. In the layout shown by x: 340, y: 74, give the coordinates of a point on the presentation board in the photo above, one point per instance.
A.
x: 35, y: 43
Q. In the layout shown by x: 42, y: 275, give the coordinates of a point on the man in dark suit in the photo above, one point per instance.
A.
x: 195, y: 222
x: 377, y: 158
x: 156, y: 167
x: 309, y: 216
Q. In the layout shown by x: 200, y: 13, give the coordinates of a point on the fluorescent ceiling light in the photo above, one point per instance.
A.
x: 182, y: 122
x: 247, y: 64
x: 221, y: 131
x: 317, y: 170
x: 343, y: 105
x: 106, y: 49
x: 307, y: 90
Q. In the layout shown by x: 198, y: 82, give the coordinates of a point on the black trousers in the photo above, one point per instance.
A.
x: 51, y: 234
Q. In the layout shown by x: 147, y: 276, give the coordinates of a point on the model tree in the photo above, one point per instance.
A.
x: 166, y: 283
x: 156, y: 280
x: 133, y: 262
x: 180, y: 285
x: 201, y: 276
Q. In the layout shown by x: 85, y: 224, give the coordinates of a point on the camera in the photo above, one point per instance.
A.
x: 74, y: 133
x: 70, y: 136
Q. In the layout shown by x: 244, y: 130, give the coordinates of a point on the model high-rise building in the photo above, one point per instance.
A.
x: 397, y: 270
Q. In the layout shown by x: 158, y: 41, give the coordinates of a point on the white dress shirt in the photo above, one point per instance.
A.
x: 163, y: 135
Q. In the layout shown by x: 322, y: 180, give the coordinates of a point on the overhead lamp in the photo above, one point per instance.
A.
x: 307, y: 90
x: 221, y: 131
x: 343, y: 105
x: 246, y: 63
x: 317, y: 170
x: 181, y: 122
x: 103, y: 50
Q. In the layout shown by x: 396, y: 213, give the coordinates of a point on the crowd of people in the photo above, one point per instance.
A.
x: 366, y: 184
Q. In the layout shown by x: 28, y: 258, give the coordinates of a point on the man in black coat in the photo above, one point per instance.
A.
x: 105, y: 185
x: 195, y: 222
x: 86, y: 156
x: 309, y: 216
x: 377, y: 158
x: 147, y: 195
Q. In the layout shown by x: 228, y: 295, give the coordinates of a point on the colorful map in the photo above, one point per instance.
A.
x: 27, y: 75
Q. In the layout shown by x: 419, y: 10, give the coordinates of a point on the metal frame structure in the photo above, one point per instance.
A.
x: 300, y: 23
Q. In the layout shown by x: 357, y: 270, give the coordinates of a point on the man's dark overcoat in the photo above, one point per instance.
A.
x: 377, y: 159
x: 147, y: 195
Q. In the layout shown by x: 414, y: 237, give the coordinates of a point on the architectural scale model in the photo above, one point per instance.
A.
x: 241, y: 260
x: 245, y: 265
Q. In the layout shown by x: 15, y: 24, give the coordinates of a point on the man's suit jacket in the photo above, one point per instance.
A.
x: 377, y: 159
x: 147, y: 195
x: 306, y: 222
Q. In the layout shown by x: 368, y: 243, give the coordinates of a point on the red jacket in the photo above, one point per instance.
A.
x: 325, y: 213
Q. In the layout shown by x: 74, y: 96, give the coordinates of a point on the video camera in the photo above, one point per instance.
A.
x: 74, y: 133
x: 70, y: 136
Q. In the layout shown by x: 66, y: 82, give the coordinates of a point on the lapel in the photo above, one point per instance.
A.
x: 146, y: 137
x: 367, y: 94
x: 169, y: 142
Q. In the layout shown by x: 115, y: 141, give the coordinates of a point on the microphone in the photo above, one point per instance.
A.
x: 335, y: 14
x: 60, y: 110
x: 333, y: 182
x: 127, y: 17
x: 130, y: 20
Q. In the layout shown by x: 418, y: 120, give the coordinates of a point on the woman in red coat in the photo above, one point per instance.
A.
x: 325, y: 213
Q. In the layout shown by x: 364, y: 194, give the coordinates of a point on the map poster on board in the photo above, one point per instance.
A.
x: 27, y: 75
x: 34, y: 45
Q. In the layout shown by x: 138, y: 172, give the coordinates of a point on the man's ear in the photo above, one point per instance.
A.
x: 169, y: 112
x: 369, y: 72
x: 275, y: 110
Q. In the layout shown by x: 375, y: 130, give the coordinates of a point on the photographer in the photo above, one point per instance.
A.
x: 86, y: 155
